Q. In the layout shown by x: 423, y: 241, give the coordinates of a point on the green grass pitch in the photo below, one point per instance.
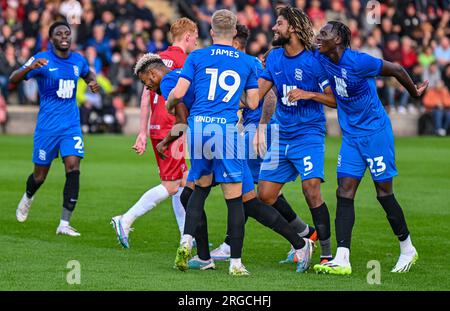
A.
x: 32, y: 257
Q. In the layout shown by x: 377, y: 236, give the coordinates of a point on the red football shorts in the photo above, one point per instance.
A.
x: 174, y: 165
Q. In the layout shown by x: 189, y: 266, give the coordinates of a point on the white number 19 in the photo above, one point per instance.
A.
x: 231, y: 89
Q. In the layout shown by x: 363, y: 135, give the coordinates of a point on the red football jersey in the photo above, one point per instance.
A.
x: 161, y: 121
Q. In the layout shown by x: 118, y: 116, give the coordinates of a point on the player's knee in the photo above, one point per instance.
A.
x: 39, y: 178
x: 384, y: 189
x: 312, y: 194
x: 267, y: 197
x: 172, y: 187
x: 345, y: 192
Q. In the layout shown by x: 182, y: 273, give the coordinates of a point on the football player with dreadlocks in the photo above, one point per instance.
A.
x: 302, y: 88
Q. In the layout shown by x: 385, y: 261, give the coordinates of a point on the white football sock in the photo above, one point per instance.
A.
x: 225, y: 248
x: 147, y: 201
x: 342, y: 256
x: 236, y: 262
x: 406, y: 246
x: 63, y: 223
x: 187, y: 238
x: 178, y: 210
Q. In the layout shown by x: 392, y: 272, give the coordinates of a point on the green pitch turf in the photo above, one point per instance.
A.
x: 32, y: 257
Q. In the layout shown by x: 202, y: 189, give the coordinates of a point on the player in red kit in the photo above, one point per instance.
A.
x: 172, y: 167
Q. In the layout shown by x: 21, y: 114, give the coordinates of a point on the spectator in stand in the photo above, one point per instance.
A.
x: 442, y: 52
x: 433, y: 75
x: 158, y: 43
x: 446, y: 76
x: 437, y: 100
x: 409, y: 56
x: 371, y: 48
x: 392, y: 51
x: 8, y: 63
x: 101, y: 44
x: 125, y: 9
x: 315, y: 12
x: 265, y: 7
x: 426, y: 57
x: 143, y: 12
x: 84, y: 30
x: 111, y: 29
x: 230, y: 5
x: 409, y: 23
x: 249, y: 17
x: 204, y: 14
x: 336, y: 12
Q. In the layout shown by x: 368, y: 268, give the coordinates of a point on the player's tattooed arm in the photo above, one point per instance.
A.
x: 141, y: 140
x: 91, y: 81
x: 19, y: 74
x: 269, y: 106
x: 269, y: 102
x: 395, y: 70
x: 327, y: 97
x: 178, y: 129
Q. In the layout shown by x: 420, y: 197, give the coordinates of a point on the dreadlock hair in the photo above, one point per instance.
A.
x: 242, y: 34
x: 298, y: 19
x: 343, y: 32
x: 146, y: 62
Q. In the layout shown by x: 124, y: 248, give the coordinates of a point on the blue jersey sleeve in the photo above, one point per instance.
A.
x: 267, y: 72
x: 167, y: 85
x: 321, y: 75
x: 252, y: 81
x: 34, y: 72
x: 84, y: 67
x: 188, y: 70
x: 368, y: 66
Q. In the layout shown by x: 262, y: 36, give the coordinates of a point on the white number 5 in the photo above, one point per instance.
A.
x: 307, y: 163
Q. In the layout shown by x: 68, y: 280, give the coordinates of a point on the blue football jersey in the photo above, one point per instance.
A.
x: 168, y: 83
x: 302, y: 71
x: 57, y: 83
x: 219, y: 74
x: 252, y: 116
x: 352, y: 80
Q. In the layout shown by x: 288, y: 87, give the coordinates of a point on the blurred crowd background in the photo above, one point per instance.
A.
x: 112, y: 34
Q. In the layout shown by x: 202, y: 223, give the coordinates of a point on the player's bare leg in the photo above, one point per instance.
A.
x: 70, y: 195
x: 320, y: 215
x: 396, y: 218
x: 34, y: 182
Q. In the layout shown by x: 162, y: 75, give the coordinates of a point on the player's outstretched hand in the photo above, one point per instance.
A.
x: 161, y: 147
x: 94, y: 87
x: 298, y: 94
x: 421, y: 88
x: 141, y: 144
x: 259, y: 141
x: 39, y: 63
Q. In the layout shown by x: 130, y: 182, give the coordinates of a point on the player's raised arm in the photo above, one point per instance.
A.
x: 19, y: 74
x: 395, y: 70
